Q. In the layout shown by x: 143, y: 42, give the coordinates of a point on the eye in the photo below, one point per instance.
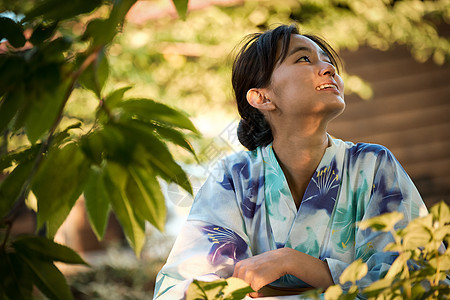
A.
x: 303, y: 58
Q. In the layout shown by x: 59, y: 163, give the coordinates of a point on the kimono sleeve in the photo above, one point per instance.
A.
x: 211, y: 241
x: 391, y: 190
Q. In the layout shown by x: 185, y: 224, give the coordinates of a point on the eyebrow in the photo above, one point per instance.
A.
x: 307, y: 49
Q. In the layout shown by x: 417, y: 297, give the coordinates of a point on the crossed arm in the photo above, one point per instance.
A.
x: 262, y: 269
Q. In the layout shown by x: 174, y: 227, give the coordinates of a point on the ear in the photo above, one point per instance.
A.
x: 257, y: 98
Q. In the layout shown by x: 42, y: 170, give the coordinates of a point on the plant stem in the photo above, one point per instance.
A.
x: 438, y: 271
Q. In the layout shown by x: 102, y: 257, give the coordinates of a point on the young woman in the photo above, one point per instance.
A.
x: 283, y: 215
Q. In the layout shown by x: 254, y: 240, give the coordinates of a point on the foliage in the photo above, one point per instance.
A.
x: 226, y: 289
x: 190, y: 60
x: 113, y: 154
x: 419, y: 271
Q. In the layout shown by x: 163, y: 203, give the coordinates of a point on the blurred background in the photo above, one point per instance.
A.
x: 396, y: 71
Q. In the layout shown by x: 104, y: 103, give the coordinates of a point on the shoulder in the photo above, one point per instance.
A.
x: 241, y: 162
x: 365, y: 150
x: 365, y: 155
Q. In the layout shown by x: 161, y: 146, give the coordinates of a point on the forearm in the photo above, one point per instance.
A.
x: 309, y: 269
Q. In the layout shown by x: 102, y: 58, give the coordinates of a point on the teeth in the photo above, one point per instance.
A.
x: 324, y: 86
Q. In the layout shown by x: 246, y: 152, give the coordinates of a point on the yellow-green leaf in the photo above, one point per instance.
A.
x: 181, y: 7
x: 441, y: 213
x: 207, y: 290
x: 97, y: 201
x: 236, y: 288
x: 333, y: 292
x: 145, y: 194
x: 134, y: 227
x: 385, y: 222
x: 398, y: 265
x: 354, y: 272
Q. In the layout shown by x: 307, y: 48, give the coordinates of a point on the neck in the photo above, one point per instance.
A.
x: 299, y: 153
x: 296, y: 144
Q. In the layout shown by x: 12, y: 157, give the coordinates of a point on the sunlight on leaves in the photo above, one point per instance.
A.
x: 385, y: 222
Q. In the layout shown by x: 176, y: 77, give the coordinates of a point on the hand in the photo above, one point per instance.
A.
x: 262, y: 269
x: 267, y: 267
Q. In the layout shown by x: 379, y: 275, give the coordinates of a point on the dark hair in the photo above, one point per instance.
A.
x: 253, y: 68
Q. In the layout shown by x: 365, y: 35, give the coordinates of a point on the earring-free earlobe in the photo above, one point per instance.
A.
x: 258, y: 99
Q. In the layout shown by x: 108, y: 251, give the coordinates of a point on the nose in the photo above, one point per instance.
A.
x: 327, y: 69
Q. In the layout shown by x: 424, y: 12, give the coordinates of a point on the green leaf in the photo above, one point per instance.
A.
x: 116, y: 146
x: 149, y: 110
x: 441, y: 232
x: 115, y: 97
x: 385, y: 222
x: 58, y: 184
x: 61, y: 10
x: 315, y: 294
x: 12, y: 31
x: 54, y: 51
x: 134, y: 228
x: 441, y: 213
x: 418, y: 233
x: 103, y: 31
x: 145, y: 195
x: 334, y: 292
x: 378, y: 286
x: 97, y: 201
x: 119, y: 11
x: 60, y: 137
x: 9, y: 106
x: 398, y: 265
x: 47, y: 277
x: 95, y: 76
x: 19, y: 156
x: 44, y: 110
x: 93, y: 147
x: 46, y: 249
x: 43, y: 32
x: 236, y: 289
x: 15, y: 278
x: 175, y: 137
x: 443, y: 260
x: 205, y: 290
x: 14, y: 69
x: 156, y: 153
x: 181, y: 7
x: 11, y: 187
x: 354, y: 272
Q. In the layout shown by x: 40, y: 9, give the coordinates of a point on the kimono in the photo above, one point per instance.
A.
x: 245, y: 208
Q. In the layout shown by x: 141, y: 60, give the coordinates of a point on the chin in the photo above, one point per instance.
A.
x: 335, y: 109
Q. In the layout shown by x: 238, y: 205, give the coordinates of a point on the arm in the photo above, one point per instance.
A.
x: 376, y: 184
x: 210, y: 243
x: 267, y: 267
x: 195, y: 255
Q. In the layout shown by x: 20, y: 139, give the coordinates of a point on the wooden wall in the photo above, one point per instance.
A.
x: 409, y: 114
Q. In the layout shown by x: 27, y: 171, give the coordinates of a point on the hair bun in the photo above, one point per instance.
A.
x: 254, y: 132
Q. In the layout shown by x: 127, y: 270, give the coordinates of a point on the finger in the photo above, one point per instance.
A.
x: 255, y: 295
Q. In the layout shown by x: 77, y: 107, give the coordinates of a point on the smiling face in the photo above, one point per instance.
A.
x: 305, y: 83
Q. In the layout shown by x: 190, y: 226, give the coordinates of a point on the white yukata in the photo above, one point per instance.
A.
x: 245, y: 208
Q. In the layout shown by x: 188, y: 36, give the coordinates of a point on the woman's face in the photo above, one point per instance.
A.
x: 306, y: 83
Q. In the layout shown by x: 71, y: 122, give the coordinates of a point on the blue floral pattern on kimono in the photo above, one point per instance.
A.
x: 246, y: 208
